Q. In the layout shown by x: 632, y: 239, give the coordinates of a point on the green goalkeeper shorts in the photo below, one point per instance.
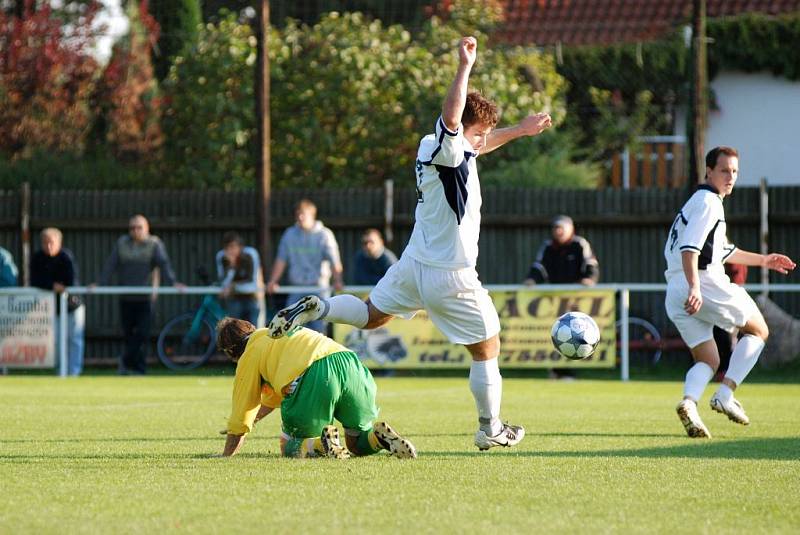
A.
x: 337, y: 386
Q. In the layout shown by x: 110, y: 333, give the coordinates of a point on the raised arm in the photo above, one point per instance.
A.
x: 532, y: 125
x: 456, y: 98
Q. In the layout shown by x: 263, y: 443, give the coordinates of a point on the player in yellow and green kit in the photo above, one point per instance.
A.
x: 313, y: 380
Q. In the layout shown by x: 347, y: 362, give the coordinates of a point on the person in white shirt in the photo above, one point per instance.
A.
x: 700, y: 295
x: 436, y: 272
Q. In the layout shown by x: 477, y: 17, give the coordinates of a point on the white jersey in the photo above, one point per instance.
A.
x: 699, y: 226
x: 448, y: 215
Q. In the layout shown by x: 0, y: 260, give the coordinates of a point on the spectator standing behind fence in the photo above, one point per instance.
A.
x: 564, y: 259
x: 54, y: 268
x: 239, y: 272
x: 8, y: 269
x: 133, y: 260
x: 373, y: 259
x: 310, y: 252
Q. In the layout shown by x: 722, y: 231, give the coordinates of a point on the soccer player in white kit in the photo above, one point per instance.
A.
x: 700, y: 295
x: 436, y: 272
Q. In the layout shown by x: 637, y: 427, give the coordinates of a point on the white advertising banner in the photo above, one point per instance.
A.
x: 27, y: 330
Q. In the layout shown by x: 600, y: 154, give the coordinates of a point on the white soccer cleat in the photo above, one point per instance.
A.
x: 732, y: 409
x: 510, y: 435
x: 331, y: 445
x: 398, y: 446
x: 690, y: 418
x: 306, y: 309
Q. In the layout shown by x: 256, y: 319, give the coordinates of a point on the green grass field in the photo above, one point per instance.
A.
x: 132, y: 455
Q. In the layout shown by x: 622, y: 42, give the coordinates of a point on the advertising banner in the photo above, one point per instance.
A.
x: 27, y: 331
x: 526, y: 317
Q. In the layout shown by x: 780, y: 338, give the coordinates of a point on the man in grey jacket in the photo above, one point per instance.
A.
x: 133, y: 260
x: 309, y: 250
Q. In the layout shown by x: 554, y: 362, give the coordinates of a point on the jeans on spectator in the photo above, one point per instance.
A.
x: 316, y: 325
x: 76, y: 322
x: 244, y: 309
x: 136, y: 317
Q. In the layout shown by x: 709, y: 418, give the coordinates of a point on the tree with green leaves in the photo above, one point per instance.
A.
x: 179, y: 24
x: 350, y: 98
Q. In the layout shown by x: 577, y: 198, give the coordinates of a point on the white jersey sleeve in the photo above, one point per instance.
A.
x: 699, y: 217
x: 449, y: 147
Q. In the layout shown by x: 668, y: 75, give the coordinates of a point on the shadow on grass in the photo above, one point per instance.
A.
x: 772, y: 449
x: 135, y: 439
x: 554, y: 434
x: 210, y: 456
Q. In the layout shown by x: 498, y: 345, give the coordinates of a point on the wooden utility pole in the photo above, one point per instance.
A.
x: 698, y: 108
x: 263, y: 187
x: 25, y: 234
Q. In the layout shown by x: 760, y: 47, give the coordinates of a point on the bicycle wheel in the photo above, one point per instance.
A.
x: 179, y: 348
x: 644, y: 340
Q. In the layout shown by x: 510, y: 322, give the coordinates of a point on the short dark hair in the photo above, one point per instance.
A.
x: 231, y: 237
x: 479, y: 110
x: 713, y: 155
x: 304, y: 204
x: 232, y: 335
x: 370, y: 232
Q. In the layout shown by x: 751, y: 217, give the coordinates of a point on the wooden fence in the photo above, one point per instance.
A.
x: 626, y: 228
x: 660, y: 162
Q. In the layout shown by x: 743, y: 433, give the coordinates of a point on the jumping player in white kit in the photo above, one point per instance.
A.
x: 437, y: 269
x: 700, y: 295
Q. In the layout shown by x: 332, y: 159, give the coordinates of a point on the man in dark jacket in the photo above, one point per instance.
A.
x: 54, y: 268
x: 373, y: 259
x: 565, y: 259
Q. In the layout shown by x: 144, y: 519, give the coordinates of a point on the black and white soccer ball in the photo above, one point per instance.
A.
x: 575, y: 335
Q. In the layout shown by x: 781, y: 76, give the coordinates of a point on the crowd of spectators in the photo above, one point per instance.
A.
x: 307, y: 255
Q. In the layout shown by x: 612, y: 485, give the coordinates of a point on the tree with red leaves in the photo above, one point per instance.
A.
x: 128, y: 93
x: 47, y: 77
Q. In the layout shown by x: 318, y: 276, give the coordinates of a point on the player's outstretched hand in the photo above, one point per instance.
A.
x: 780, y: 263
x: 533, y: 125
x: 468, y: 51
x: 693, y: 302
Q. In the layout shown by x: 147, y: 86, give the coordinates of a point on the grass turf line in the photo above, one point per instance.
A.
x: 131, y: 455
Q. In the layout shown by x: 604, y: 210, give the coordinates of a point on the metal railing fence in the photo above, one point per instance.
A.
x: 624, y: 290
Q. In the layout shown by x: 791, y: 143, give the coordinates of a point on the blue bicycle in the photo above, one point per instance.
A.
x: 188, y: 340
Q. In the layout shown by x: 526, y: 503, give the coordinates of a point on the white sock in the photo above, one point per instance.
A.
x: 347, y: 309
x: 724, y: 393
x: 744, y: 357
x: 697, y: 378
x: 486, y: 385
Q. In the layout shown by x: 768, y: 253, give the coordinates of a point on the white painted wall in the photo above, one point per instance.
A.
x: 759, y: 115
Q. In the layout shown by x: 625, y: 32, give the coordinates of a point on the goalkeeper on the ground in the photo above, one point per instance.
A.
x: 313, y: 380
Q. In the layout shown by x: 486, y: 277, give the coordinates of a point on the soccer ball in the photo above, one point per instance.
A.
x: 575, y: 335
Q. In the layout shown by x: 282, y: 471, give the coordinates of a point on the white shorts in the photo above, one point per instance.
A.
x: 455, y: 300
x: 725, y: 305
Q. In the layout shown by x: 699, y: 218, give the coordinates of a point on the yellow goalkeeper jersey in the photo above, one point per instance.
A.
x: 267, y: 368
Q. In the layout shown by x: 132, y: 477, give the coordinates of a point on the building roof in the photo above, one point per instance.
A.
x: 583, y: 22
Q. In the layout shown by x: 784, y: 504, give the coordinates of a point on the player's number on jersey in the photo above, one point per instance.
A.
x: 673, y: 233
x: 420, y: 196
